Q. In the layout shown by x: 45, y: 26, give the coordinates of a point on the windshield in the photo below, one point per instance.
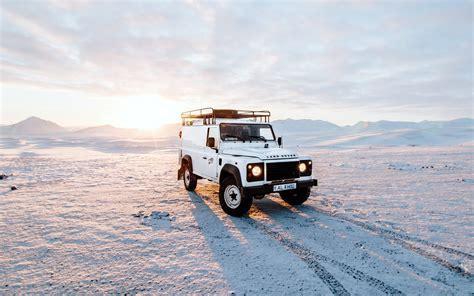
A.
x: 246, y: 132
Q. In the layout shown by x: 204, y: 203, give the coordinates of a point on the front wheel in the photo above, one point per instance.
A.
x: 232, y: 198
x: 190, y: 179
x: 296, y: 197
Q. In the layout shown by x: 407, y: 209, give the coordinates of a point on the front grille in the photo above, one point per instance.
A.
x: 282, y: 170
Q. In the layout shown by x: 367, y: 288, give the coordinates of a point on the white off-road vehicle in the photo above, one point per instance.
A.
x: 238, y: 150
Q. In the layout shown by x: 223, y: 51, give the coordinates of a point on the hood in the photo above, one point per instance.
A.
x: 262, y: 153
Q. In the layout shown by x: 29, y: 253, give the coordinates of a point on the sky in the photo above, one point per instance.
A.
x: 141, y: 63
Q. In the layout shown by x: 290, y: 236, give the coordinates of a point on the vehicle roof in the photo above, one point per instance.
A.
x: 222, y: 120
x: 209, y: 116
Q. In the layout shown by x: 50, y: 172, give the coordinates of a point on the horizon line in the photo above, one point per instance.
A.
x: 178, y: 122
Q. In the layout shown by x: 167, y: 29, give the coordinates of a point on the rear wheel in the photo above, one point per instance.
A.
x: 232, y: 198
x: 296, y: 197
x: 190, y: 179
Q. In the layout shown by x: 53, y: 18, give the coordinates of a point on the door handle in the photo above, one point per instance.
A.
x: 204, y: 157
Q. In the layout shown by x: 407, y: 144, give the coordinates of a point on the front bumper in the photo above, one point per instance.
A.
x: 268, y: 188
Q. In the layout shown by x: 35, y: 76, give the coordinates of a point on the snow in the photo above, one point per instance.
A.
x: 87, y: 219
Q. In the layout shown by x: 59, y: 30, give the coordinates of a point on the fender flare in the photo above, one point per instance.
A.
x: 189, y: 161
x: 232, y: 170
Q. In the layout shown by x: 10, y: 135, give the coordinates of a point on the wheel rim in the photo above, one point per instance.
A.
x: 187, y: 177
x: 232, y: 196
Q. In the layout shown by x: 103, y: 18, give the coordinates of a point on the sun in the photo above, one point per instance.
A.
x: 147, y: 112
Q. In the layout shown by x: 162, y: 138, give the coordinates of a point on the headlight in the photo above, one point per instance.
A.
x: 256, y: 171
x: 302, y: 167
x: 305, y: 167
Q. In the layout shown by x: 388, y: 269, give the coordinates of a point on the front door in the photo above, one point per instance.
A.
x: 210, y: 155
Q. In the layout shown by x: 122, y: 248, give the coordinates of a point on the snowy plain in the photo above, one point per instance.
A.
x: 110, y: 217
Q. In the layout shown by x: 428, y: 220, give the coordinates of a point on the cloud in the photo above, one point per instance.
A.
x: 319, y: 54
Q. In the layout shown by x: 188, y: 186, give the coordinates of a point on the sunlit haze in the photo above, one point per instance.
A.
x: 139, y: 64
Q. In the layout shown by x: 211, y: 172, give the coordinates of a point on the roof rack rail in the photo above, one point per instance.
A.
x: 209, y: 115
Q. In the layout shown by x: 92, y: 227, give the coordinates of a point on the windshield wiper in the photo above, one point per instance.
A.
x: 235, y: 136
x: 258, y: 138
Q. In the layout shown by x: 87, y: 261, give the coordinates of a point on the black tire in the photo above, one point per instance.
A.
x: 296, y: 197
x: 189, y: 179
x: 231, y: 204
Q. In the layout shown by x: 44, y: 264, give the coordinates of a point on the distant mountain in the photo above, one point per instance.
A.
x: 415, y: 137
x: 456, y: 123
x: 106, y: 131
x: 383, y: 125
x: 32, y: 126
x: 302, y: 132
x: 37, y: 127
x: 379, y: 133
x: 167, y: 130
x: 303, y: 126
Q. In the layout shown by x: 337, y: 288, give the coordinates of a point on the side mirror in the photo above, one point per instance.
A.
x: 211, y: 142
x: 279, y: 141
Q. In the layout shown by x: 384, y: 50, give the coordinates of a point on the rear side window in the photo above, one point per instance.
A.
x: 212, y: 133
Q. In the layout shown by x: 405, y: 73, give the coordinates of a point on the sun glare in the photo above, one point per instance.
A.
x: 147, y: 113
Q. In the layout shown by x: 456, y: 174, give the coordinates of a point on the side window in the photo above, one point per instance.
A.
x: 212, y: 133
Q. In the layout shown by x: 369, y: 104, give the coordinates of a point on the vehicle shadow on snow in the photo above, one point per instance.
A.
x: 226, y: 248
x: 275, y: 208
x: 240, y: 249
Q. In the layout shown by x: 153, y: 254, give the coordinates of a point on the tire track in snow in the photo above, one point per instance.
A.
x: 403, y: 236
x: 312, y: 259
x: 428, y: 255
x: 304, y: 254
x: 404, y: 241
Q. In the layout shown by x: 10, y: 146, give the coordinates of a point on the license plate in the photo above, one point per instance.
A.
x: 283, y: 187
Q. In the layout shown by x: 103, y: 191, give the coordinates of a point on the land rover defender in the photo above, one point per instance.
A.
x: 238, y: 150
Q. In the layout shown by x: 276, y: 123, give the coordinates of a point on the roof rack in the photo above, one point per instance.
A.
x: 209, y: 115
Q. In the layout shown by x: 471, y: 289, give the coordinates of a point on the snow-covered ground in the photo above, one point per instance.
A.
x: 382, y: 221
